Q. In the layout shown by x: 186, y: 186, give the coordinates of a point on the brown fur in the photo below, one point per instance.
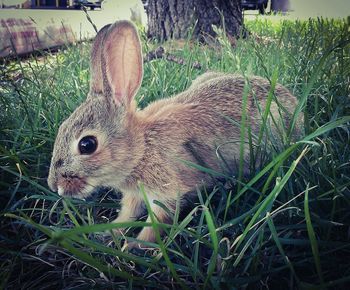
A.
x: 148, y: 146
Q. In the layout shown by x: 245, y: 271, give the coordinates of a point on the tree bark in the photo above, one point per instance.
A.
x: 175, y: 19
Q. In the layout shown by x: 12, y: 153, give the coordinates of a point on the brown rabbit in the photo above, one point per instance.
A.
x: 107, y: 142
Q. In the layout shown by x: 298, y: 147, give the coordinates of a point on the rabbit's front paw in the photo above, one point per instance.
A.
x: 144, y: 240
x: 139, y: 246
x: 147, y: 234
x: 134, y: 246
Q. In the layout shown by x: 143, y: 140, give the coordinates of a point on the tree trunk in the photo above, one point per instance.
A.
x: 174, y: 19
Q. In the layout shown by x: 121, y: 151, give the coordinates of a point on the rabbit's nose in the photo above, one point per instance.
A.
x: 52, y: 180
x: 52, y: 185
x: 55, y: 168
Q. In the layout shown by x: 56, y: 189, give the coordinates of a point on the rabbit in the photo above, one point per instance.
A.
x: 107, y: 142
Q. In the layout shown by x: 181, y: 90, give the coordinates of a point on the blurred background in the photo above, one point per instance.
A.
x: 35, y: 24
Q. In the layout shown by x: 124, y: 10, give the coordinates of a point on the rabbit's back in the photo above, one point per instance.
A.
x: 216, y: 96
x: 201, y: 124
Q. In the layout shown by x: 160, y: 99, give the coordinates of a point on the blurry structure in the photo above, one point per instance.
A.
x: 280, y: 5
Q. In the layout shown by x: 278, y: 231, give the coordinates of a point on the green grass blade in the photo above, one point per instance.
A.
x: 215, y: 245
x: 243, y: 125
x: 91, y: 261
x: 155, y: 226
x: 313, y: 241
x: 279, y: 246
x: 267, y: 203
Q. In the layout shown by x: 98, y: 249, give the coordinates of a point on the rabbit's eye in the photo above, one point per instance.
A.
x: 87, y: 145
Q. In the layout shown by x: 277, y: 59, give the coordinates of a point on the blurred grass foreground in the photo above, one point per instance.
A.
x: 285, y: 225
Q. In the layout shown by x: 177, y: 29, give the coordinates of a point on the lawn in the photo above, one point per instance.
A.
x: 286, y: 224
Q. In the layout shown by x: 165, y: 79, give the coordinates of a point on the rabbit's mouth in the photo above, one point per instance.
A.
x: 73, y: 186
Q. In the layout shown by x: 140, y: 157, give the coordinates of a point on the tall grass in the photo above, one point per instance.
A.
x: 286, y: 225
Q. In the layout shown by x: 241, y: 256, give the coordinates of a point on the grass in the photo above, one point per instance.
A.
x: 286, y: 225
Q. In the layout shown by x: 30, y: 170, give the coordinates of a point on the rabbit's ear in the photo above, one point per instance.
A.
x: 123, y: 61
x: 96, y: 78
